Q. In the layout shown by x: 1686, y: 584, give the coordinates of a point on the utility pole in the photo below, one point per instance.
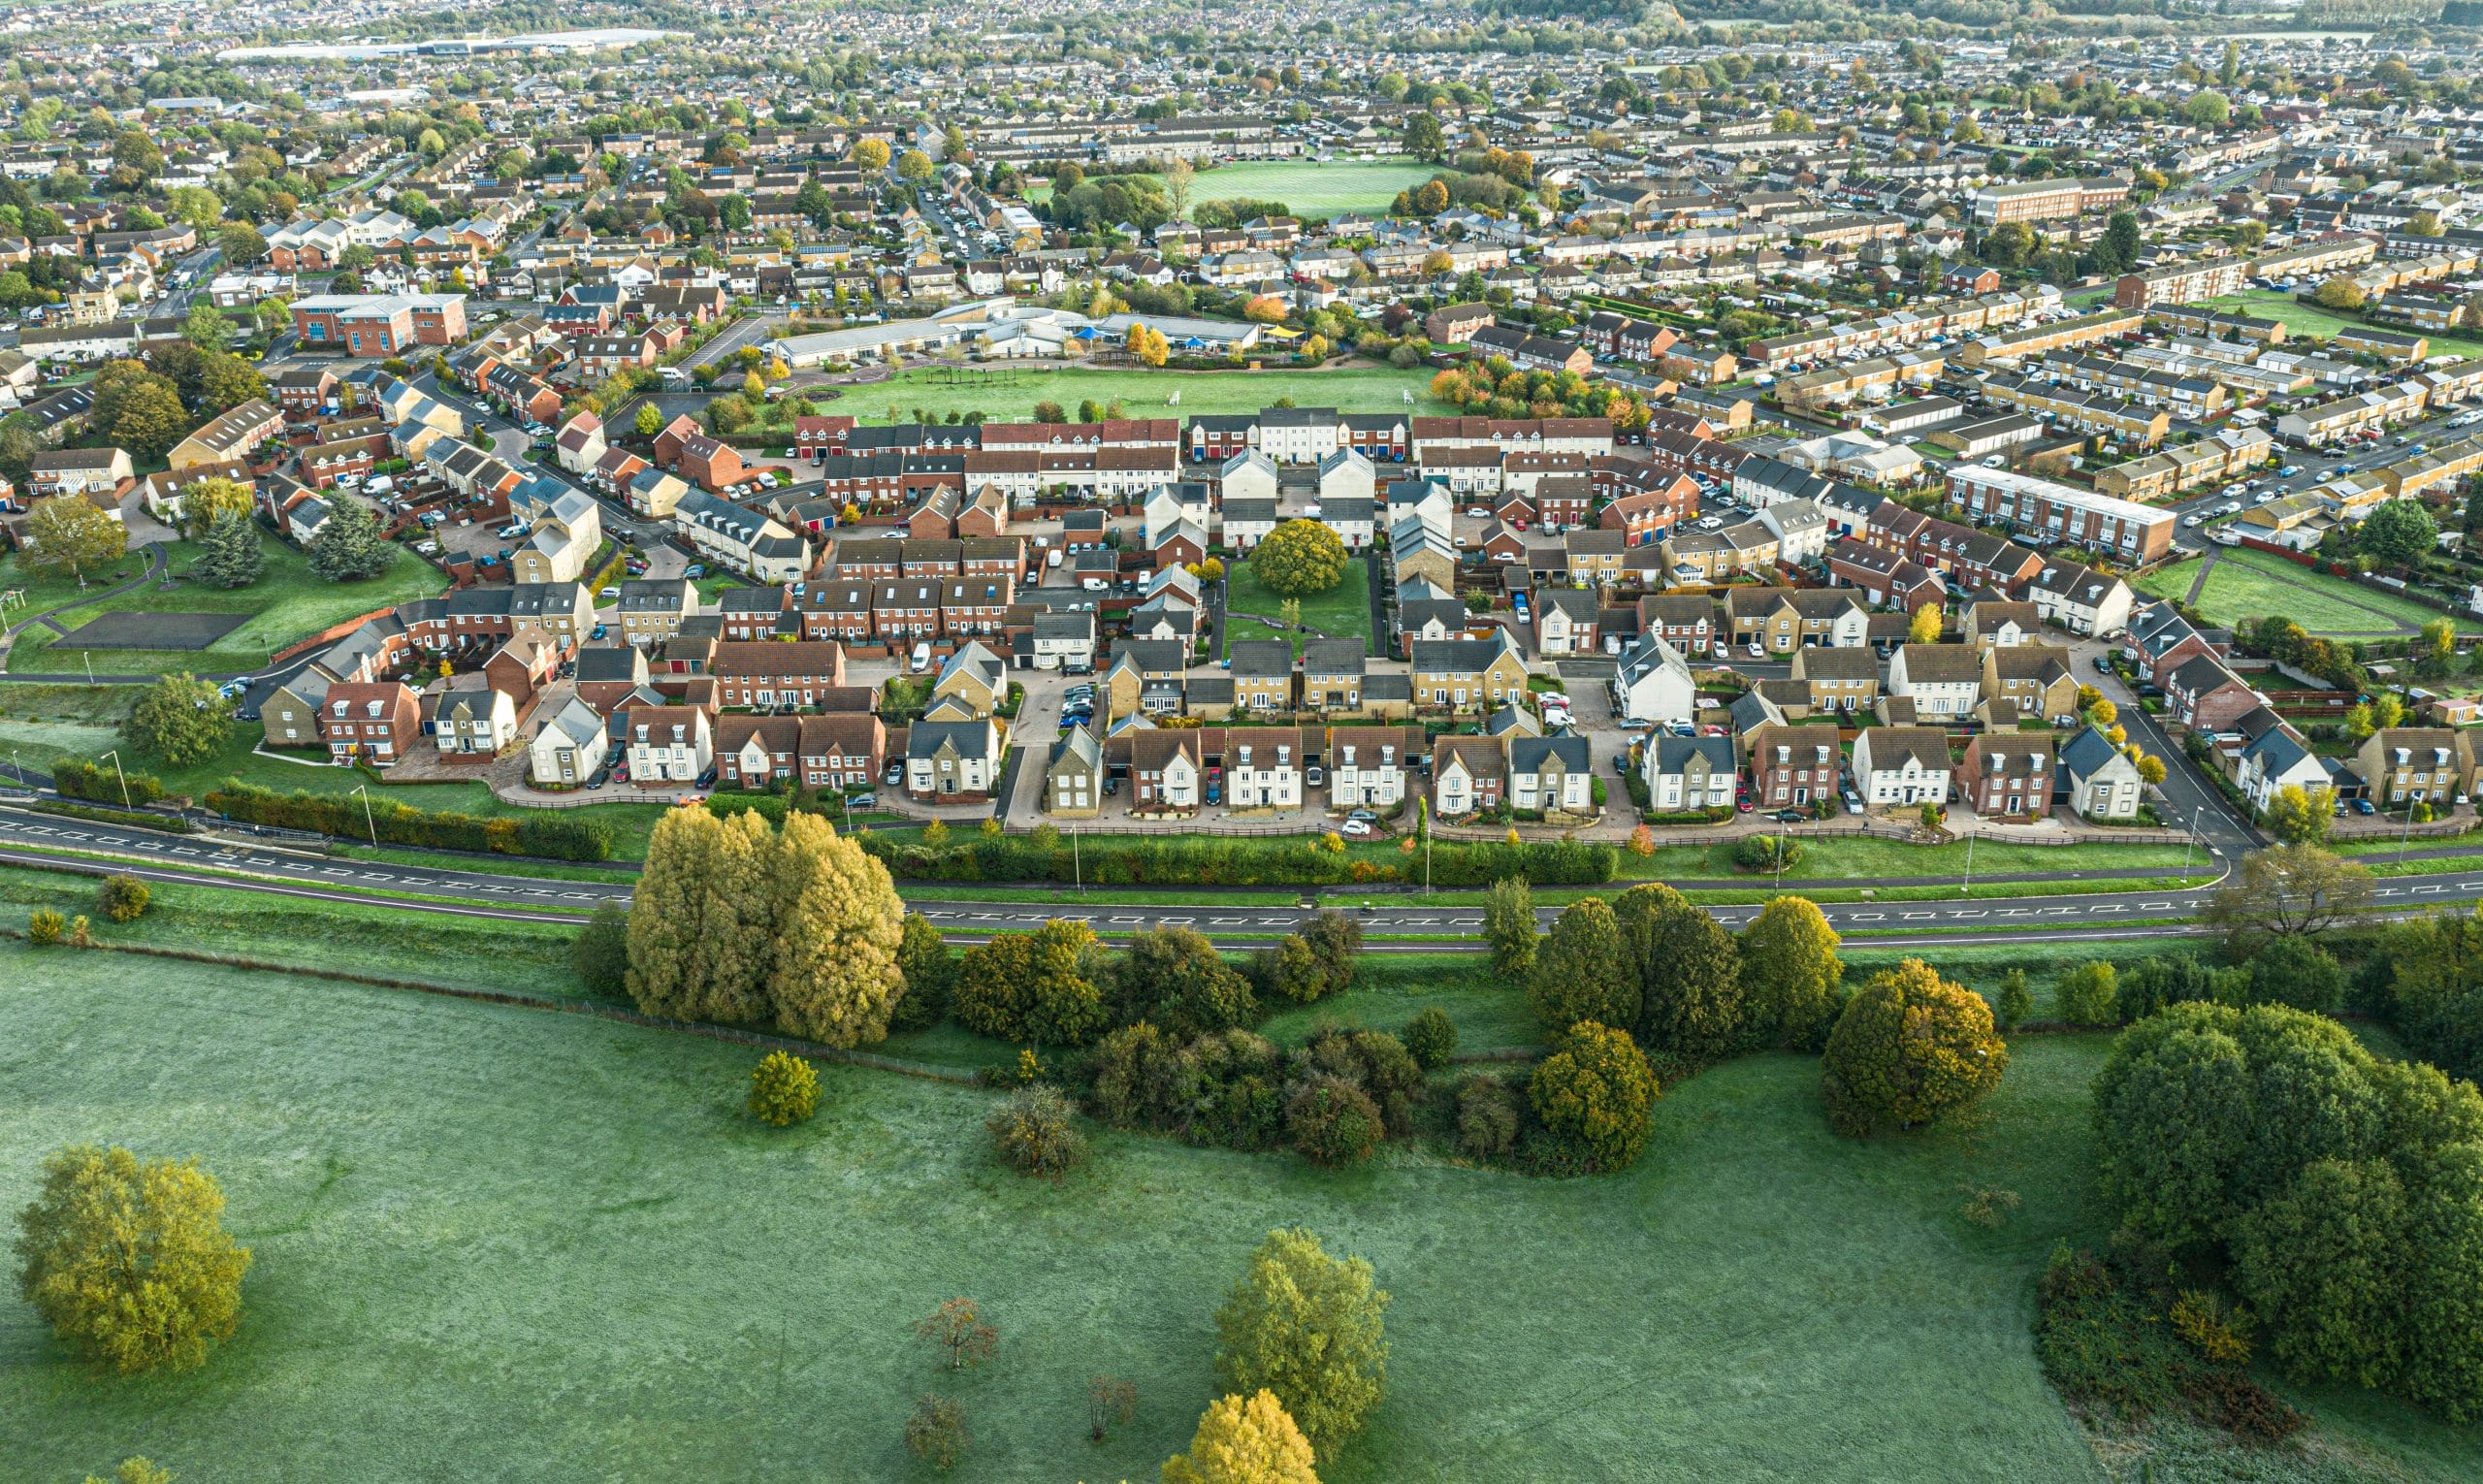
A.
x: 1077, y: 867
x: 1968, y: 888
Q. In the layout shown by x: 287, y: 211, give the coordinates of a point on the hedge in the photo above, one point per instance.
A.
x: 547, y: 834
x: 172, y: 822
x: 72, y: 779
x: 1237, y: 862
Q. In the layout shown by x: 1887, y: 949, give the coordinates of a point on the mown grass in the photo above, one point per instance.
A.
x: 509, y: 1244
x: 1342, y: 612
x: 1009, y: 394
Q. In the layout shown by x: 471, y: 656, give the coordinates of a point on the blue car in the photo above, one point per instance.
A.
x: 2364, y: 806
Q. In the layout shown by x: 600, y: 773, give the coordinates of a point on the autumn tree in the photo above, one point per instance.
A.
x: 1789, y: 973
x: 872, y: 154
x: 1174, y: 979
x: 1688, y: 975
x: 650, y: 422
x: 936, y: 1429
x: 956, y: 1328
x: 837, y: 925
x: 2286, y: 890
x: 2339, y: 293
x: 784, y: 1090
x: 1264, y: 310
x: 209, y: 501
x: 179, y: 718
x: 1299, y: 558
x: 1924, y: 627
x: 68, y: 533
x: 1245, y: 1441
x: 1035, y: 1131
x: 1309, y: 1328
x: 1909, y: 1049
x: 1581, y: 972
x: 1508, y: 926
x: 1032, y: 986
x: 1596, y: 1093
x: 129, y: 1262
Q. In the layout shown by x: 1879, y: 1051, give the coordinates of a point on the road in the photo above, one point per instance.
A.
x: 747, y: 331
x: 2314, y: 467
x: 471, y: 890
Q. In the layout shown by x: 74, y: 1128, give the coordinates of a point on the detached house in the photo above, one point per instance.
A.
x: 2007, y: 776
x: 1902, y: 765
x: 1654, y: 683
x: 2417, y: 764
x: 1469, y: 775
x: 370, y: 721
x: 1944, y: 681
x: 952, y: 762
x: 668, y: 744
x: 1793, y: 766
x: 1166, y: 771
x: 1551, y: 774
x: 1688, y: 773
x: 2103, y: 783
x: 1264, y: 767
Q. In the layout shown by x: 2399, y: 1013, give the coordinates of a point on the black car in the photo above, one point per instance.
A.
x: 1790, y: 815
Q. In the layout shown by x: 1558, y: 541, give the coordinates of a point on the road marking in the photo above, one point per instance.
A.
x: 2155, y: 906
x: 1870, y: 917
x: 2426, y: 891
x: 1917, y: 917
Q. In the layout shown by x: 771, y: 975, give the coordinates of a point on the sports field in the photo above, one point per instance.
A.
x: 497, y: 1243
x: 1313, y: 189
x: 1006, y: 394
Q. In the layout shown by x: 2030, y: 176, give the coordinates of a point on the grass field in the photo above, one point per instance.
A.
x: 2253, y: 584
x: 2310, y: 319
x: 1311, y: 189
x: 285, y: 605
x: 44, y: 591
x: 1004, y: 394
x: 1341, y: 612
x: 519, y: 1245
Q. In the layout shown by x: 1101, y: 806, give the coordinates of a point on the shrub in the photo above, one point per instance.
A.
x: 600, y: 951
x: 45, y: 929
x: 1331, y: 1121
x: 1431, y: 1038
x: 936, y: 1431
x: 928, y: 969
x: 1036, y: 1132
x: 123, y: 898
x: 72, y: 779
x: 1031, y: 986
x: 2297, y: 972
x: 1375, y: 1061
x: 1765, y: 855
x: 1487, y: 1118
x: 784, y: 1089
x: 2084, y: 994
x: 1595, y: 1092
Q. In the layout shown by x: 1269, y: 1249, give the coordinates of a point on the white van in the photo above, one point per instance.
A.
x: 921, y: 660
x: 1053, y: 560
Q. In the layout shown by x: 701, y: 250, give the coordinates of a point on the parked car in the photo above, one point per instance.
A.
x: 1358, y: 829
x: 1790, y: 815
x: 1215, y: 793
x: 864, y: 800
x: 2364, y: 806
x: 919, y: 660
x: 1314, y: 776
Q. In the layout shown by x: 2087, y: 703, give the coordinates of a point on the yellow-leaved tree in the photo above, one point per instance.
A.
x: 835, y: 975
x: 1245, y: 1440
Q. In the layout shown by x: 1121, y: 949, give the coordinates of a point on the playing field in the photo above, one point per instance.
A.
x: 1313, y: 189
x: 1007, y: 395
x: 2255, y: 584
x: 495, y: 1243
x: 2310, y: 319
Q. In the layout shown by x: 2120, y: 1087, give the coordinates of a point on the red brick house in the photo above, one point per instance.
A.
x: 816, y: 437
x: 1790, y: 766
x: 766, y: 673
x: 2204, y: 695
x: 373, y: 720
x: 2007, y: 776
x: 1647, y: 506
x: 711, y: 464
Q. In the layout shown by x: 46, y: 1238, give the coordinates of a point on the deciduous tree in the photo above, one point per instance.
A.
x: 957, y: 1331
x: 600, y: 953
x: 837, y: 929
x: 2283, y: 890
x: 1909, y: 1049
x: 1245, y: 1441
x: 1309, y: 1327
x: 784, y: 1090
x: 1789, y: 973
x: 1596, y: 1093
x: 1175, y: 978
x: 1508, y: 926
x: 1032, y: 986
x: 129, y: 1262
x: 68, y: 533
x: 179, y: 718
x: 209, y: 500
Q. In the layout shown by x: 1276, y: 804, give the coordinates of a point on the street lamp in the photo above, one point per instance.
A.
x: 367, y: 821
x: 115, y: 755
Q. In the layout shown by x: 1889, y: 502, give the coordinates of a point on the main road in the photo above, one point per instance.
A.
x: 53, y: 841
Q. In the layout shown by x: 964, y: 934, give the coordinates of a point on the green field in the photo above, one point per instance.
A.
x: 1312, y: 189
x: 285, y: 605
x: 2310, y: 319
x: 496, y: 1244
x: 1341, y: 612
x: 1003, y: 394
x: 2254, y: 584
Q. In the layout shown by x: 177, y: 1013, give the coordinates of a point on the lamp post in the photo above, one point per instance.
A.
x: 115, y: 755
x: 367, y: 821
x: 1967, y: 887
x: 1077, y: 867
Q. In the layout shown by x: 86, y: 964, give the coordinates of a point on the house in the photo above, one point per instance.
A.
x: 1457, y: 673
x: 843, y: 749
x: 1372, y: 768
x: 1944, y: 681
x: 952, y: 762
x: 1264, y: 767
x: 1551, y: 774
x: 2028, y: 682
x: 1166, y: 771
x: 1842, y: 681
x: 1652, y: 683
x: 1332, y: 675
x: 652, y: 608
x: 77, y: 471
x: 2007, y: 776
x: 1688, y: 773
x: 1792, y: 766
x: 668, y: 744
x: 2203, y: 694
x: 607, y: 673
x: 581, y: 445
x: 2080, y: 599
x: 1262, y: 675
x: 1074, y: 775
x: 974, y: 679
x: 370, y: 721
x: 2417, y: 764
x: 1991, y: 622
x: 570, y: 749
x: 1469, y: 775
x: 2102, y: 781
x: 230, y: 437
x: 1565, y: 620
x: 2275, y: 760
x: 1901, y: 766
x: 767, y: 675
x: 473, y: 718
x: 1065, y: 641
x: 2158, y: 639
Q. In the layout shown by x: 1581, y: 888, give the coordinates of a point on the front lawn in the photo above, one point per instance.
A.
x: 528, y: 1245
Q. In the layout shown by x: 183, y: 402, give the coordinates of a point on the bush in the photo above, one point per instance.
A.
x: 1375, y: 1061
x: 1595, y: 1094
x: 1222, y: 1090
x: 2297, y: 972
x: 1219, y: 862
x: 45, y: 927
x: 936, y: 1431
x: 600, y: 951
x: 71, y: 779
x: 1036, y: 1132
x: 1331, y: 1121
x: 784, y: 1089
x: 123, y: 898
x: 2086, y: 994
x: 1487, y: 1118
x: 129, y: 1262
x: 1431, y: 1038
x: 928, y: 969
x: 1765, y: 855
x: 549, y: 834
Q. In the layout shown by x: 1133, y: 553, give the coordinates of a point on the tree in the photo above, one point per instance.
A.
x: 1430, y: 1038
x: 148, y: 419
x: 1299, y: 558
x: 2339, y: 293
x: 2016, y: 1001
x: 348, y: 546
x: 1582, y: 971
x: 1910, y: 1049
x: 122, y: 899
x: 2425, y: 225
x: 242, y: 244
x: 1596, y: 1093
x: 205, y: 327
x: 872, y: 154
x: 209, y: 501
x: 957, y: 1331
x: 1789, y: 973
x: 2322, y: 1255
x: 179, y: 718
x: 2087, y: 994
x: 914, y: 166
x: 927, y: 968
x: 694, y: 953
x: 1424, y: 140
x: 1508, y: 926
x: 2118, y: 251
x: 650, y: 422
x: 1174, y: 979
x: 784, y: 1089
x: 1331, y: 1121
x: 2299, y: 973
x: 68, y: 533
x: 837, y: 928
x: 2400, y: 534
x: 229, y: 554
x: 1925, y: 625
x: 2286, y: 890
x: 1688, y: 974
x: 936, y: 1431
x: 599, y: 954
x: 1036, y: 1132
x: 1310, y: 1328
x: 1031, y: 986
x: 1111, y: 1401
x: 2207, y: 108
x: 1238, y: 1441
x: 129, y: 1262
